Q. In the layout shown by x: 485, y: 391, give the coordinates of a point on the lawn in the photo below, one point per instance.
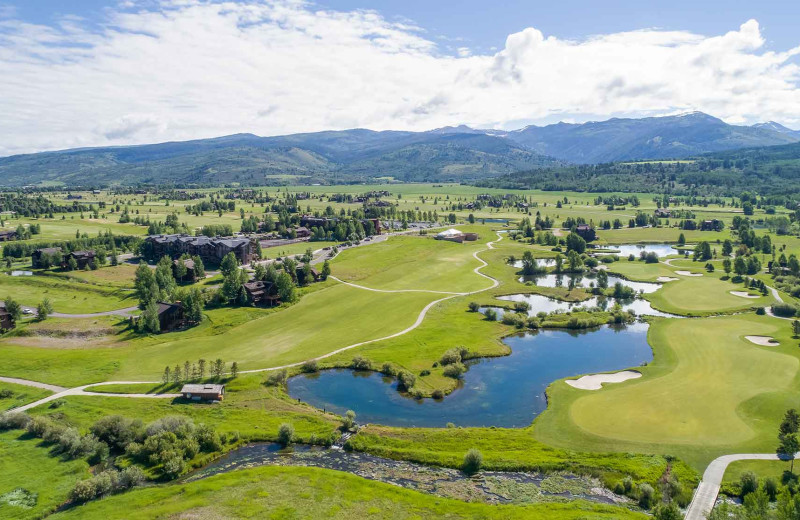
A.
x: 21, y: 395
x: 24, y: 463
x: 708, y: 392
x: 325, y: 319
x: 702, y: 295
x: 299, y: 493
x: 71, y: 297
x: 413, y: 262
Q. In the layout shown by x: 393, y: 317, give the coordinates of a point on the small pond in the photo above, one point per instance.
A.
x: 585, y: 281
x: 503, y: 221
x: 626, y: 250
x: 506, y: 391
x: 539, y: 303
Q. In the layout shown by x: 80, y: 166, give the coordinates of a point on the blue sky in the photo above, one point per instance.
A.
x: 114, y: 72
x: 485, y: 24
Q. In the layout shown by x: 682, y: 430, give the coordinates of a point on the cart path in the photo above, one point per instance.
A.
x: 706, y: 494
x: 35, y: 384
x: 81, y: 390
x: 417, y: 323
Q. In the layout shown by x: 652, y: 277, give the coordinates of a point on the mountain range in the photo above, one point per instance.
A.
x: 456, y: 153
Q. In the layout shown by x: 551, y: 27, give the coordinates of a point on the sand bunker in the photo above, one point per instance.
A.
x: 744, y: 294
x: 687, y: 273
x: 764, y: 341
x: 595, y: 381
x: 664, y: 279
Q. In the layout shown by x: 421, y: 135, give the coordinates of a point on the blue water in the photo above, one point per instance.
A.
x: 661, y: 250
x: 539, y: 303
x: 507, y: 392
x: 585, y: 281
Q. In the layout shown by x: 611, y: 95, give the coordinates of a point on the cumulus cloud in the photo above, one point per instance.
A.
x: 179, y: 69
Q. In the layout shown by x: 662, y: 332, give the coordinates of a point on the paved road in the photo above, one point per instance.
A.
x: 706, y: 494
x: 81, y: 390
x: 26, y: 382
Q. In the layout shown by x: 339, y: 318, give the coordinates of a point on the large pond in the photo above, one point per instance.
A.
x: 539, y: 303
x: 625, y: 250
x: 585, y: 281
x: 506, y: 391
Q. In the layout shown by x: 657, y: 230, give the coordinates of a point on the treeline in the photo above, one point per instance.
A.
x: 81, y: 243
x: 769, y: 171
x: 38, y: 206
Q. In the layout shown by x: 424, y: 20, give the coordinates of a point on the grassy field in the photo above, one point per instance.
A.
x: 65, y: 295
x: 701, y: 295
x: 413, y: 262
x: 289, y: 493
x: 707, y: 392
x: 24, y: 463
x: 21, y: 395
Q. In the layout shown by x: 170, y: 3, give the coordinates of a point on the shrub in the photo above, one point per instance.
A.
x: 310, y: 366
x: 748, y: 483
x: 406, y: 379
x: 455, y: 370
x: 425, y: 372
x: 438, y: 394
x: 761, y: 311
x: 58, y: 403
x: 387, y: 369
x: 453, y: 355
x: 646, y: 496
x: 473, y: 460
x: 285, y: 434
x: 5, y: 393
x: 14, y: 421
x: 173, y: 466
x: 490, y: 314
x: 83, y: 491
x: 474, y: 306
x: 38, y: 426
x: 522, y: 306
x: 117, y: 431
x: 277, y: 378
x: 784, y: 309
x: 361, y: 363
x: 349, y: 420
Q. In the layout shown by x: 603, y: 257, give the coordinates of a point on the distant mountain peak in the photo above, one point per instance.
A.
x: 775, y: 127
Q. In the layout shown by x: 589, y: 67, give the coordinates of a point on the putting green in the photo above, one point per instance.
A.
x: 705, y: 294
x: 693, y: 396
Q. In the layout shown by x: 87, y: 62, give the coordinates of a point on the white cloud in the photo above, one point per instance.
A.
x: 181, y: 69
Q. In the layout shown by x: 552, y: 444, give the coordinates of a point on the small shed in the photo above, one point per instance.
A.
x: 203, y: 392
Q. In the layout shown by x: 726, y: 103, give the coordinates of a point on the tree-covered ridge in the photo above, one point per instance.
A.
x: 769, y: 171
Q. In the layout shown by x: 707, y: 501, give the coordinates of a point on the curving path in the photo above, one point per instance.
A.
x: 420, y: 318
x: 80, y: 390
x: 706, y: 494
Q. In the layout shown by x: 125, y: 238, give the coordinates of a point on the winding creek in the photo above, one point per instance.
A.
x: 487, y: 486
x: 506, y: 391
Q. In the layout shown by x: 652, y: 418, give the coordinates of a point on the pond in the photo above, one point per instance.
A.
x: 488, y: 486
x: 625, y: 250
x: 585, y: 281
x: 539, y: 303
x: 506, y: 391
